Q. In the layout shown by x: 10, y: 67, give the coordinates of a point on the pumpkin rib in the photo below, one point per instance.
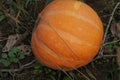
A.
x: 65, y: 35
x: 71, y: 56
x: 34, y: 40
x: 97, y: 37
x: 72, y: 52
x: 59, y: 67
x: 65, y: 41
x: 62, y: 58
x: 58, y: 32
x: 52, y: 13
x: 57, y: 55
x: 68, y: 44
x: 52, y: 49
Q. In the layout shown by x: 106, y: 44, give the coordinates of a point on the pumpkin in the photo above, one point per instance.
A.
x: 68, y: 35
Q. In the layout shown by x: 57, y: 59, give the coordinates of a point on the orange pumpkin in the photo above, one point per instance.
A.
x: 68, y: 35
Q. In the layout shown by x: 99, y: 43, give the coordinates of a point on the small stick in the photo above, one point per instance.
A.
x: 111, y: 42
x: 110, y: 20
x: 19, y: 69
x: 108, y: 26
x: 108, y: 56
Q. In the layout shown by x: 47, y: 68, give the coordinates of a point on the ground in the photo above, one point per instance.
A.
x: 17, y: 62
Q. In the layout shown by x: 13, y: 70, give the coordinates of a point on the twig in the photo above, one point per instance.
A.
x: 110, y: 42
x: 108, y: 26
x: 13, y: 75
x: 104, y: 56
x: 19, y: 69
x: 12, y: 17
x: 110, y: 20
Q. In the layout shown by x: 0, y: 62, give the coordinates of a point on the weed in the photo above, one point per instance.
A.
x: 14, y: 56
x: 2, y: 16
x: 3, y: 75
x: 37, y: 69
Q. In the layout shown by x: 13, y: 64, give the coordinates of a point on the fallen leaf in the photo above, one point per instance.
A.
x: 26, y: 49
x: 115, y: 29
x: 13, y: 40
x: 118, y: 55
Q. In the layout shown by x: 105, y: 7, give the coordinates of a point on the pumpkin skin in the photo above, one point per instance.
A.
x: 68, y: 36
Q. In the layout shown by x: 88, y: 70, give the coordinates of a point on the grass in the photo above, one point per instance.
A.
x: 18, y: 16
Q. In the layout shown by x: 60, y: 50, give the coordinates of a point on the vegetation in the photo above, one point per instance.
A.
x: 19, y: 16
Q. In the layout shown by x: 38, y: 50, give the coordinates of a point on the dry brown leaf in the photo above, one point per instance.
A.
x: 118, y: 55
x: 13, y: 40
x: 26, y: 49
x: 115, y: 29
